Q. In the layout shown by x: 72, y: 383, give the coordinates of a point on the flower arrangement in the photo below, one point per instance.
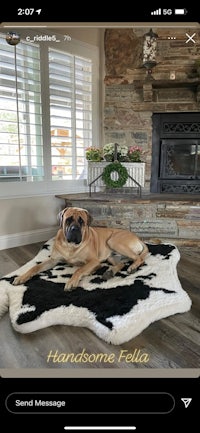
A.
x: 134, y: 154
x: 94, y: 153
x: 109, y: 152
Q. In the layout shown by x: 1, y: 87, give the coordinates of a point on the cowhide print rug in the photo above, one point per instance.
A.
x: 116, y: 310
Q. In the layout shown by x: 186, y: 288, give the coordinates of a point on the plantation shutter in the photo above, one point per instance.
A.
x: 21, y: 145
x: 70, y: 88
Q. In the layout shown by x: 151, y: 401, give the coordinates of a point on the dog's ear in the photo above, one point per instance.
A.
x: 60, y: 216
x: 89, y: 218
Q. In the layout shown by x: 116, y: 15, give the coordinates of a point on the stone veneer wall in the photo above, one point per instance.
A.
x: 177, y: 221
x: 130, y: 100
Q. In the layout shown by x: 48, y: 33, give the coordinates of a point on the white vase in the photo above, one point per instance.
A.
x: 135, y: 169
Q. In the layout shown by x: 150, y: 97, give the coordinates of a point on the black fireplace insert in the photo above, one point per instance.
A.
x: 176, y: 153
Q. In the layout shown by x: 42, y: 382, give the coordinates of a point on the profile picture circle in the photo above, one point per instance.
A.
x: 12, y: 38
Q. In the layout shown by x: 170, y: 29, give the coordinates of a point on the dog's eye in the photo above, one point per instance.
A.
x: 80, y: 220
x: 69, y: 220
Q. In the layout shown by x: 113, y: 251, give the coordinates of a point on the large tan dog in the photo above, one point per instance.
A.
x: 78, y: 243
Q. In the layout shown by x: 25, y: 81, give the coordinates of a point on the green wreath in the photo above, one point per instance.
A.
x: 122, y: 175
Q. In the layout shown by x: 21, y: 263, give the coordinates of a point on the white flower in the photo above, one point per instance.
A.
x: 109, y: 149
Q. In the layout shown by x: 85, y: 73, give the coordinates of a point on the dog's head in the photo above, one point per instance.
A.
x: 74, y: 222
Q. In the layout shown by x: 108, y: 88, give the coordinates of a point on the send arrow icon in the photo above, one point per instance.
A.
x: 186, y: 401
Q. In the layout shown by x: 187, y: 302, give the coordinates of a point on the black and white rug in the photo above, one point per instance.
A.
x: 116, y: 310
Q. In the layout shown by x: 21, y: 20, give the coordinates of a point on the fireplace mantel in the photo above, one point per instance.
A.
x: 162, y: 84
x: 151, y: 85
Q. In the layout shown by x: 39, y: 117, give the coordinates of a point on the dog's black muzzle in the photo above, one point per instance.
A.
x: 73, y: 234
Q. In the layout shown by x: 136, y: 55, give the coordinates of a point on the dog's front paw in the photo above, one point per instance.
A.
x: 131, y: 270
x: 68, y: 288
x: 71, y: 284
x: 19, y: 280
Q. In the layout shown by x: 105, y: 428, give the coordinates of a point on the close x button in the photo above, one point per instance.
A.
x: 91, y: 402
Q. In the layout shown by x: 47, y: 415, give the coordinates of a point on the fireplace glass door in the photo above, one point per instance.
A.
x: 175, y: 166
x: 180, y: 159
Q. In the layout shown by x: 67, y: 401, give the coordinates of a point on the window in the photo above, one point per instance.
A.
x: 48, y: 115
x: 70, y: 84
x: 21, y: 147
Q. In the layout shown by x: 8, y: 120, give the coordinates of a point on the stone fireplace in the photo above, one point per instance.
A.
x: 135, y: 107
x: 162, y: 116
x: 176, y: 153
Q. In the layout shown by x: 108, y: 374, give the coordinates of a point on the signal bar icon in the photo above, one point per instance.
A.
x: 156, y: 12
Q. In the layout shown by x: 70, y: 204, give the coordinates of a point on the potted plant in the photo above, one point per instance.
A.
x: 119, y: 166
x: 112, y: 151
x: 94, y: 153
x: 134, y: 154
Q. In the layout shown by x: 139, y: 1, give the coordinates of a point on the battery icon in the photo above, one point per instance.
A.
x: 180, y: 11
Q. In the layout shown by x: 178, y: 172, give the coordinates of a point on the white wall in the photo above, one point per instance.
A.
x: 28, y: 220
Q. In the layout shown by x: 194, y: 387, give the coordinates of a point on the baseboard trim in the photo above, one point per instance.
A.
x: 25, y: 238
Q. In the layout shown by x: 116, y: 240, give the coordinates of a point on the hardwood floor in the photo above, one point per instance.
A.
x: 173, y: 342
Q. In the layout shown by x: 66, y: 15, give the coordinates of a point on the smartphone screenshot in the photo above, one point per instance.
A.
x: 99, y: 227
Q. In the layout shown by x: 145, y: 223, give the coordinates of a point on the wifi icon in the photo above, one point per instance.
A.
x: 186, y: 401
